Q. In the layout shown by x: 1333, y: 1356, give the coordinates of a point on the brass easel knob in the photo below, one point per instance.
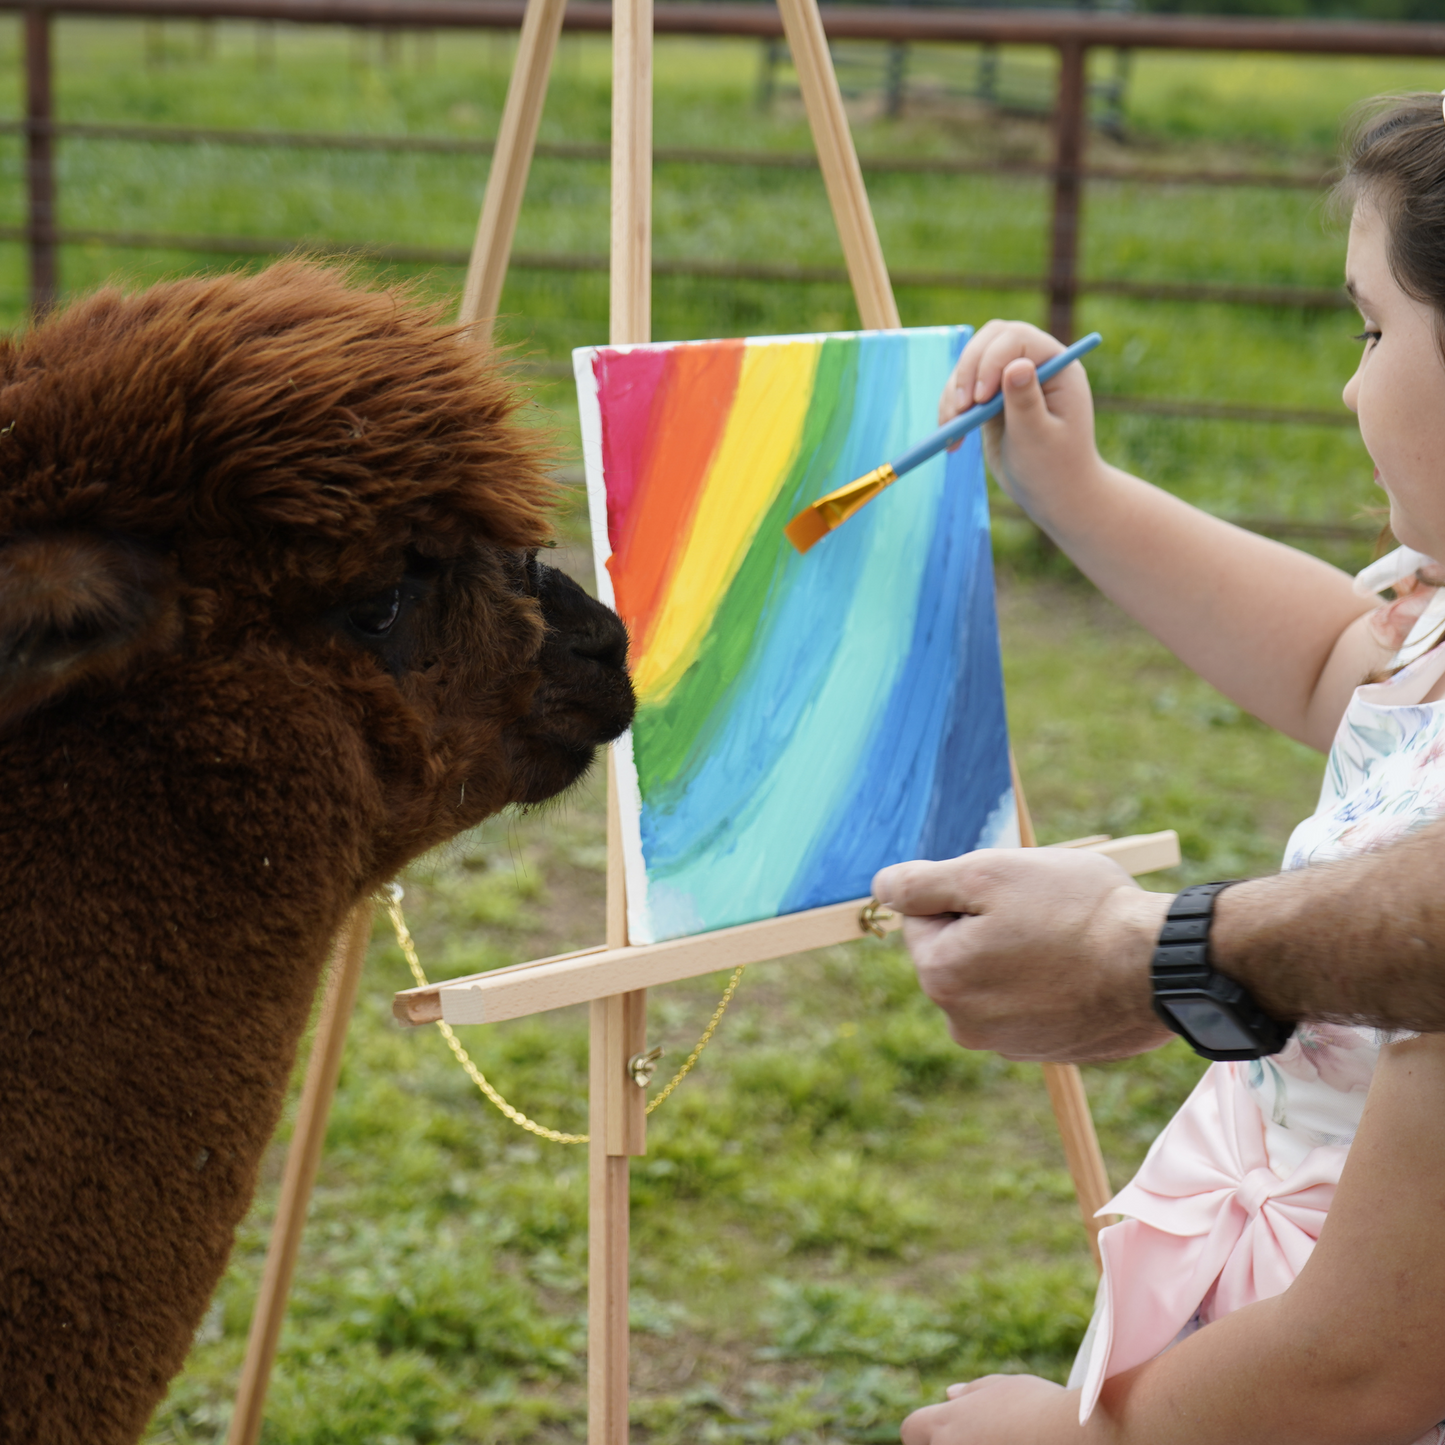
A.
x: 642, y: 1066
x: 873, y: 916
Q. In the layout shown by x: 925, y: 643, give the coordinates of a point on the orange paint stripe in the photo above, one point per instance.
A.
x: 689, y: 416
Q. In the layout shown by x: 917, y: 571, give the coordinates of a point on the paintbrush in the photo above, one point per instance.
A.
x: 819, y: 518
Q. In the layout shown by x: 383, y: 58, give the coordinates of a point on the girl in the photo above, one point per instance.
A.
x: 1219, y: 1318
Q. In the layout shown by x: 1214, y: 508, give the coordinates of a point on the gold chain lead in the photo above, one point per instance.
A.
x: 391, y: 897
x: 701, y: 1044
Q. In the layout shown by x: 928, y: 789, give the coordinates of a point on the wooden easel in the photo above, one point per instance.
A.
x: 614, y: 977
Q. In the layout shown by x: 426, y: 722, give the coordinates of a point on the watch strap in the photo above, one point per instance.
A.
x: 1181, y: 957
x: 1182, y: 967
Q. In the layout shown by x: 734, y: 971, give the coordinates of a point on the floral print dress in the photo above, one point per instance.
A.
x: 1229, y: 1201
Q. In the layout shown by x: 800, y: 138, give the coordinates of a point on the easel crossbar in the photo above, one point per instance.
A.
x: 598, y: 973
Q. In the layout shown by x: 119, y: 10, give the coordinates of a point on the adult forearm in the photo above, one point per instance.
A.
x: 1362, y: 941
x: 1044, y: 953
x: 1349, y: 1354
x: 1351, y: 1351
x: 1255, y: 1377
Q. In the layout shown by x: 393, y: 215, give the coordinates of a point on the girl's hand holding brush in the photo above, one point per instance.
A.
x: 1041, y: 451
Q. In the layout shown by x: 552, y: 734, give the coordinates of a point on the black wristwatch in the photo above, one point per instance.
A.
x: 1214, y: 1015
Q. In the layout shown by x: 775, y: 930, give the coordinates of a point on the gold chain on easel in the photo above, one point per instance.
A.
x: 701, y: 1044
x: 392, y: 896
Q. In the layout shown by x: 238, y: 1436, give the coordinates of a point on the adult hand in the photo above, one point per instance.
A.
x: 1034, y: 953
x: 998, y: 1410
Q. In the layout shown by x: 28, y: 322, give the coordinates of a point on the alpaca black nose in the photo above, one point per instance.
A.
x: 592, y: 632
x: 585, y: 691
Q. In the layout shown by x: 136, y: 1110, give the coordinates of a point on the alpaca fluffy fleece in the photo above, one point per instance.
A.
x: 271, y: 624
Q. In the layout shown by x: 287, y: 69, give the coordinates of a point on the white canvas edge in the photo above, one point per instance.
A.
x: 634, y: 867
x: 589, y: 412
x: 629, y: 794
x: 792, y: 338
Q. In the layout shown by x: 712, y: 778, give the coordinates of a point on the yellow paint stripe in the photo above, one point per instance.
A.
x: 753, y: 458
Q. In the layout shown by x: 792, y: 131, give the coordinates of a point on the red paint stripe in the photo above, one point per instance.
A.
x: 627, y: 384
x: 688, y: 417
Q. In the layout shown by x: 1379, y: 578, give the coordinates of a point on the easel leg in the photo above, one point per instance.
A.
x: 1066, y: 1093
x: 607, y: 1224
x: 511, y: 161
x: 481, y: 296
x: 876, y: 306
x: 1081, y: 1146
x: 618, y: 1030
x: 617, y: 1124
x: 617, y: 1121
x: 630, y: 296
x: 322, y: 1072
x: 838, y: 160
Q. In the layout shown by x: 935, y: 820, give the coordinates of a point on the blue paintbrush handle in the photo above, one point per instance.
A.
x: 975, y: 416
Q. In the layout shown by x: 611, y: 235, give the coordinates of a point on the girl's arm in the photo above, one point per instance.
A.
x: 1353, y: 1353
x: 1278, y: 631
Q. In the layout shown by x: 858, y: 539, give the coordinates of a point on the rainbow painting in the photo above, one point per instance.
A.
x: 802, y: 720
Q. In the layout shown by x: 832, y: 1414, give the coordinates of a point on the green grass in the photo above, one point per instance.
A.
x: 841, y: 1211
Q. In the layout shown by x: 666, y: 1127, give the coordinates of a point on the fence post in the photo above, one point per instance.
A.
x: 988, y: 73
x: 1070, y: 122
x: 895, y: 83
x: 39, y: 163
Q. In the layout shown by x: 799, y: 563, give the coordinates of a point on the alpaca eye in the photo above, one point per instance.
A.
x: 377, y: 614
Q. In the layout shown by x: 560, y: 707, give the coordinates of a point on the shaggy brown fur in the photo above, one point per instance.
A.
x: 270, y: 625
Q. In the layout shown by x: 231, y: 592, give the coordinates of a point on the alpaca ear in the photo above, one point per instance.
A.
x: 77, y: 606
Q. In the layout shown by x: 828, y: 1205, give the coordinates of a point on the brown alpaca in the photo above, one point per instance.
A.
x: 271, y: 624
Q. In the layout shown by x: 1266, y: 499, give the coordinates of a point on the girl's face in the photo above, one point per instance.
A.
x: 1398, y: 391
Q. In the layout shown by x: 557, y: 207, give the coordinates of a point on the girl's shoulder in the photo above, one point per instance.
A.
x: 1385, y: 776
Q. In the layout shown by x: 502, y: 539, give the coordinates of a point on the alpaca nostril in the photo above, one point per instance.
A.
x: 608, y: 653
x: 607, y: 647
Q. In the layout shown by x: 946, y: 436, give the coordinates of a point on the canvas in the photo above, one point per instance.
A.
x: 802, y: 720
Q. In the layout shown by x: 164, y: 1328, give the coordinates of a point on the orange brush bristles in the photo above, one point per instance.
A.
x: 807, y: 528
x: 819, y: 518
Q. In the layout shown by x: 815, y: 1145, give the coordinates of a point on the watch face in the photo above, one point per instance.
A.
x: 1209, y: 1025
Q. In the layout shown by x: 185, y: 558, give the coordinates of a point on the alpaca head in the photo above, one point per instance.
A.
x: 310, y: 497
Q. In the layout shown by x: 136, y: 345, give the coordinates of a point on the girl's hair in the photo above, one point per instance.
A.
x: 1395, y: 161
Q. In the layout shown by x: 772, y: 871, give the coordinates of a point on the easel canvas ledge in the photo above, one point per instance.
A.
x: 524, y: 989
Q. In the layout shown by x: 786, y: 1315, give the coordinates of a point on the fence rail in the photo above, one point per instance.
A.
x: 661, y: 155
x: 1071, y: 34
x: 1055, y: 28
x: 1303, y: 297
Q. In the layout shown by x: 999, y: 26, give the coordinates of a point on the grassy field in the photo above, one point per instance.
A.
x: 840, y: 1212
